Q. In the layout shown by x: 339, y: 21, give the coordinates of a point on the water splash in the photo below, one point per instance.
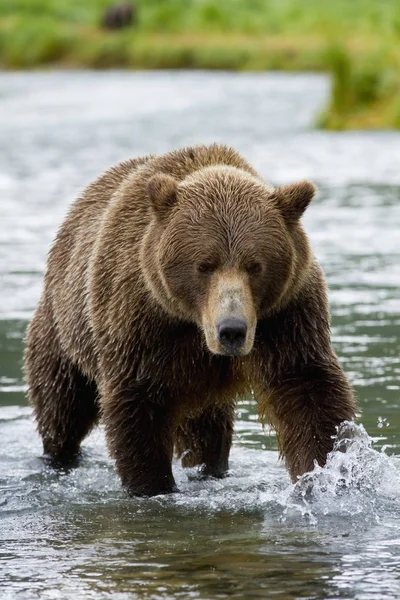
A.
x: 355, y: 481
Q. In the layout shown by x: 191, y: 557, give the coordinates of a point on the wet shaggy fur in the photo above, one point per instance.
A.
x: 146, y: 264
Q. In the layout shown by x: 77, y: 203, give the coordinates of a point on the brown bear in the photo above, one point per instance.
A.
x: 177, y: 284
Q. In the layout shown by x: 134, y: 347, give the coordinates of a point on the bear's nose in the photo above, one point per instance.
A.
x: 232, y: 334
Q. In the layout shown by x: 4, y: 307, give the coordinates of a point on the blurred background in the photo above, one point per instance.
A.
x: 356, y: 40
x: 302, y: 89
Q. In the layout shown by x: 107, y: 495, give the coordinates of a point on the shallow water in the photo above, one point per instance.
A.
x: 336, y: 534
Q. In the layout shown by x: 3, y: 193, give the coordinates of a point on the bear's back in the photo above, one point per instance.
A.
x: 181, y: 163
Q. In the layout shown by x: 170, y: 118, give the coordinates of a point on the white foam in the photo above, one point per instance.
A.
x: 356, y: 481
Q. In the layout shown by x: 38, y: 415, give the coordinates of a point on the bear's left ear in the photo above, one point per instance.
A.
x: 294, y: 198
x: 162, y: 193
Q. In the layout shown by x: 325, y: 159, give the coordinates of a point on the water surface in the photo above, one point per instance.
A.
x: 336, y: 534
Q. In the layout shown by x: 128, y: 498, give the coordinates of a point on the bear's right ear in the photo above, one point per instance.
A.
x: 162, y: 193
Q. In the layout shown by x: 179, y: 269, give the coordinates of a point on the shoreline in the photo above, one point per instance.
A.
x: 365, y: 74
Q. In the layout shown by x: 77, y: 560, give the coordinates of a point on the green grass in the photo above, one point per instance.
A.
x: 357, y: 40
x: 245, y: 16
x: 365, y: 91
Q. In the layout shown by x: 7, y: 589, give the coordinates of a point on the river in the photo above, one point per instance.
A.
x: 336, y: 533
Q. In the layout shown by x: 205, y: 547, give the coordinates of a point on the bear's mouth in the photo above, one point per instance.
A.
x: 232, y: 353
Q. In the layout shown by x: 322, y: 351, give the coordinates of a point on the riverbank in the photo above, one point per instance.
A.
x: 357, y: 42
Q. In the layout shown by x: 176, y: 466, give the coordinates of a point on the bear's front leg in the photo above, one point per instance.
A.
x: 140, y: 439
x: 305, y: 407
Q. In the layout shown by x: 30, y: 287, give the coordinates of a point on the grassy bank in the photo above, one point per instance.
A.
x: 358, y: 41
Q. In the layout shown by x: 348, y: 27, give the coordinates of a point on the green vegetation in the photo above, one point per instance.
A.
x: 365, y: 92
x: 357, y: 40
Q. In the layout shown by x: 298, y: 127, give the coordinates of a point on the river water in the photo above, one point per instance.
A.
x: 336, y: 533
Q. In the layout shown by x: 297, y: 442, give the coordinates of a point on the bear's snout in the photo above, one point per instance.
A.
x: 232, y: 334
x: 229, y: 317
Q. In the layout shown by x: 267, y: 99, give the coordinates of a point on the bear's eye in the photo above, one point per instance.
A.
x: 253, y: 268
x: 206, y: 268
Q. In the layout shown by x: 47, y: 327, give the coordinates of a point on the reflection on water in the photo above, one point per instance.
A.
x: 335, y: 534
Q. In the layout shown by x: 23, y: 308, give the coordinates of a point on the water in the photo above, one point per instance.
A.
x: 336, y: 533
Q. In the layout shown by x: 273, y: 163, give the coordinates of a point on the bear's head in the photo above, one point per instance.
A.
x: 224, y: 249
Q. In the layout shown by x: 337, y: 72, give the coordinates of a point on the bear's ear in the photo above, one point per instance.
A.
x: 294, y: 198
x: 162, y: 193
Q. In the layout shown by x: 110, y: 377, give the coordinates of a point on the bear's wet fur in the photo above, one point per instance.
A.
x: 176, y: 285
